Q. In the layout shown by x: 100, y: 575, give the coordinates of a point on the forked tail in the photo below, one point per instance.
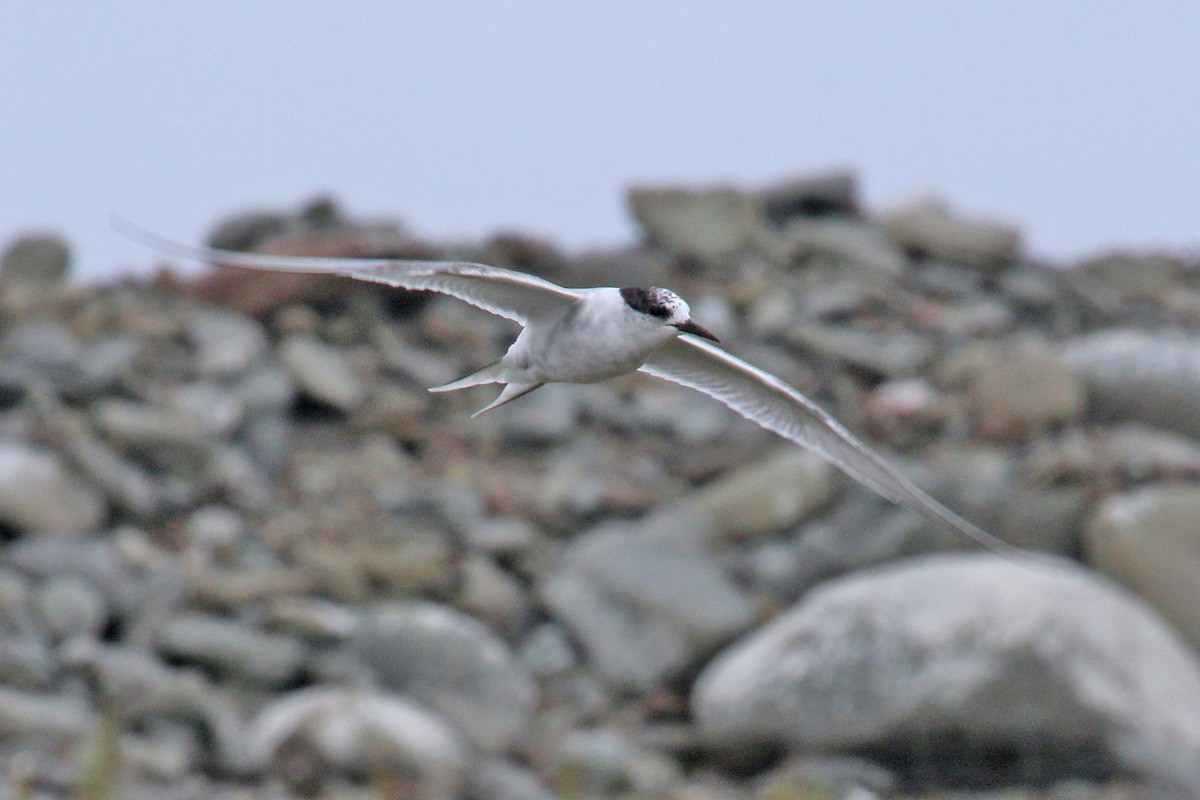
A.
x: 492, y: 373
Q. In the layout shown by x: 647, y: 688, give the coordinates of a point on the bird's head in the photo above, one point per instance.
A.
x: 664, y: 307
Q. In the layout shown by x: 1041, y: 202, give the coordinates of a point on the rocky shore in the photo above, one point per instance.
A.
x: 244, y: 554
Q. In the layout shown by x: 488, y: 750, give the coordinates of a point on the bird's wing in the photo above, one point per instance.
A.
x: 765, y: 399
x: 504, y: 292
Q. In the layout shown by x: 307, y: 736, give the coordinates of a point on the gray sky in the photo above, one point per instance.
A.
x: 1078, y: 120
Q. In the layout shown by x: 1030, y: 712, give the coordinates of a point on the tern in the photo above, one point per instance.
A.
x: 591, y: 335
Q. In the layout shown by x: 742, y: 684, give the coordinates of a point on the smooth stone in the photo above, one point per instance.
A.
x: 70, y: 605
x: 1114, y: 456
x: 1143, y: 377
x: 928, y: 227
x: 975, y: 651
x: 28, y: 714
x: 645, y: 607
x: 322, y: 371
x: 165, y: 436
x: 36, y: 258
x: 546, y: 650
x: 231, y: 648
x: 820, y: 194
x: 305, y: 735
x: 1019, y: 391
x: 39, y: 495
x: 452, y: 664
x: 893, y: 353
x: 213, y: 409
x: 777, y: 491
x: 27, y: 662
x: 1149, y: 539
x: 855, y: 242
x: 707, y: 223
x: 226, y: 344
x: 500, y: 779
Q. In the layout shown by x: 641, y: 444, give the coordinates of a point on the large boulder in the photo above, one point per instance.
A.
x: 973, y: 656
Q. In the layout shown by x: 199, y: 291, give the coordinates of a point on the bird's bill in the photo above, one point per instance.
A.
x: 696, y: 330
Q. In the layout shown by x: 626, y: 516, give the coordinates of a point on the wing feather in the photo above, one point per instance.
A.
x: 504, y: 292
x: 765, y: 399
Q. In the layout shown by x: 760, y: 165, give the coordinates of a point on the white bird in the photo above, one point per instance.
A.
x: 591, y: 335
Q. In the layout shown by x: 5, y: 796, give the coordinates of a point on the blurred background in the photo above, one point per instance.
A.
x: 245, y: 554
x: 1073, y: 119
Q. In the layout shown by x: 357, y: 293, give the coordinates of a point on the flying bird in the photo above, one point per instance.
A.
x: 591, y: 335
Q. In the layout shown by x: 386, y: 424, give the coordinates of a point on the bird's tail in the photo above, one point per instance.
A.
x: 492, y: 373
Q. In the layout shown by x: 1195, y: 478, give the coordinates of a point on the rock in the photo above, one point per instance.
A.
x: 27, y: 714
x: 226, y: 344
x: 770, y: 495
x: 70, y: 605
x: 1114, y: 456
x: 499, y: 779
x: 246, y: 230
x: 644, y: 607
x: 1144, y: 377
x: 1149, y: 539
x: 323, y: 372
x: 929, y: 228
x: 857, y: 243
x: 823, y: 194
x: 307, y: 734
x: 165, y: 437
x: 37, y: 494
x: 1019, y: 391
x: 452, y: 664
x: 894, y: 353
x: 36, y: 258
x: 598, y: 762
x: 973, y: 653
x: 231, y: 648
x: 547, y: 651
x: 1131, y: 276
x: 492, y: 595
x: 708, y: 224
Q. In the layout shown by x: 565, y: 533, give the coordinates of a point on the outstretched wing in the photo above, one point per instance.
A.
x: 504, y: 292
x: 765, y: 399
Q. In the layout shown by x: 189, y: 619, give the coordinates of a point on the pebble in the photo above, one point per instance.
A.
x: 36, y: 258
x: 1149, y: 539
x: 707, y: 223
x: 229, y: 647
x: 38, y: 493
x: 323, y: 372
x: 644, y: 607
x: 306, y: 735
x: 452, y: 664
x: 928, y: 227
x: 69, y: 605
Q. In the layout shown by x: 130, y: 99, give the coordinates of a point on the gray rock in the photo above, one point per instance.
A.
x: 852, y: 241
x: 38, y: 494
x: 26, y: 663
x: 306, y: 735
x: 770, y: 495
x: 70, y: 605
x: 1144, y: 377
x: 452, y: 664
x: 1019, y: 391
x: 708, y: 224
x: 323, y: 372
x: 211, y: 407
x: 818, y: 195
x: 1113, y: 457
x: 893, y: 353
x: 492, y: 595
x: 644, y: 607
x: 25, y: 714
x: 36, y: 258
x: 1149, y: 539
x: 247, y: 229
x: 597, y: 762
x: 499, y: 779
x: 226, y: 344
x: 971, y: 649
x: 165, y: 437
x: 928, y: 227
x: 231, y: 648
x: 546, y: 651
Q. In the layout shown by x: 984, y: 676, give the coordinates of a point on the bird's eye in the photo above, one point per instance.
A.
x: 662, y: 312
